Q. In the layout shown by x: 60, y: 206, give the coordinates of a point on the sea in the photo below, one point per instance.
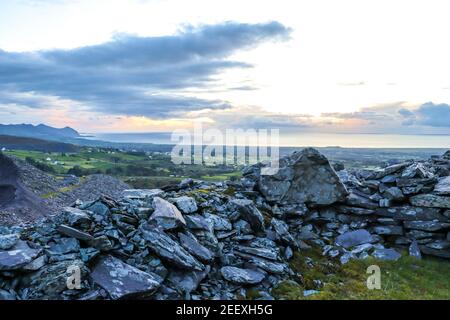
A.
x: 304, y: 139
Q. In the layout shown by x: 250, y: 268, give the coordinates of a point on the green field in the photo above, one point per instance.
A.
x: 142, y: 170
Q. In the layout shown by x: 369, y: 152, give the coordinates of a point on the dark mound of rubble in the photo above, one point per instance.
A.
x: 14, y: 195
x: 229, y: 240
x: 28, y: 194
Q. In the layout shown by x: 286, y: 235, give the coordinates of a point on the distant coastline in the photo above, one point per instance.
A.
x: 345, y: 140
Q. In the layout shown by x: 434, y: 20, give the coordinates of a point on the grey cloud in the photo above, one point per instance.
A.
x: 406, y: 113
x: 362, y: 115
x: 435, y: 115
x: 133, y: 75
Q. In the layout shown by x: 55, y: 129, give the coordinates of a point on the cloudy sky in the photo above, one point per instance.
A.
x: 156, y: 65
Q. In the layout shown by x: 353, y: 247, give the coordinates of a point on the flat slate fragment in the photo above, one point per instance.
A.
x: 16, y: 259
x: 168, y: 249
x: 242, y: 276
x: 123, y: 281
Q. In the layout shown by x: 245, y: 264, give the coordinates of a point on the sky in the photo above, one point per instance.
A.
x: 158, y: 65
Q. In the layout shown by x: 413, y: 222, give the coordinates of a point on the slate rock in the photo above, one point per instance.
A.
x: 414, y: 250
x: 269, y: 266
x: 218, y: 223
x: 388, y: 230
x: 166, y: 214
x: 76, y: 217
x: 354, y: 238
x: 63, y: 246
x: 36, y: 264
x: 386, y: 254
x: 197, y: 222
x: 50, y: 281
x: 427, y: 225
x: 15, y: 259
x: 267, y: 253
x: 282, y: 230
x: 74, y: 233
x: 7, y: 296
x: 430, y: 200
x: 187, y: 205
x: 8, y: 241
x: 241, y: 276
x: 123, y: 281
x: 186, y: 282
x: 443, y: 186
x: 191, y: 244
x: 435, y: 252
x: 141, y: 194
x: 250, y: 213
x: 303, y: 177
x: 166, y: 248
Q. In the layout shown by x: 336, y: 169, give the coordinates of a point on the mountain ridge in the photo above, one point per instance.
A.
x: 38, y: 131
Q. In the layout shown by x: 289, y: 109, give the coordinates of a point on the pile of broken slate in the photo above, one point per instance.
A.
x: 198, y: 240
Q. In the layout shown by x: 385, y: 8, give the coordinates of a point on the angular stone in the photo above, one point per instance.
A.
x: 439, y: 245
x: 166, y: 214
x: 16, y: 259
x: 442, y: 187
x: 405, y: 182
x: 303, y: 177
x: 269, y: 266
x: 282, y: 230
x: 267, y: 253
x: 241, y: 276
x: 51, y: 280
x: 166, y: 248
x: 430, y: 200
x: 74, y: 233
x: 36, y: 264
x: 187, y: 282
x: 390, y: 170
x: 63, y: 246
x: 355, y: 210
x: 386, y: 254
x: 354, y: 238
x: 414, y: 250
x: 7, y: 296
x: 250, y: 213
x: 186, y: 204
x: 141, y: 194
x: 76, y: 217
x: 417, y: 234
x: 394, y: 194
x: 102, y: 243
x: 123, y: 281
x: 191, y: 244
x: 218, y: 223
x: 8, y: 241
x: 427, y: 225
x: 197, y: 222
x: 435, y: 252
x: 410, y: 213
x: 389, y: 230
x: 389, y: 179
x: 356, y: 200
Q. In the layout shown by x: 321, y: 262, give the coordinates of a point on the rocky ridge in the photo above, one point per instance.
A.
x: 201, y: 240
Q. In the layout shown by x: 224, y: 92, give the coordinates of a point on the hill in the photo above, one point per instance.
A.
x: 32, y: 144
x: 41, y: 131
